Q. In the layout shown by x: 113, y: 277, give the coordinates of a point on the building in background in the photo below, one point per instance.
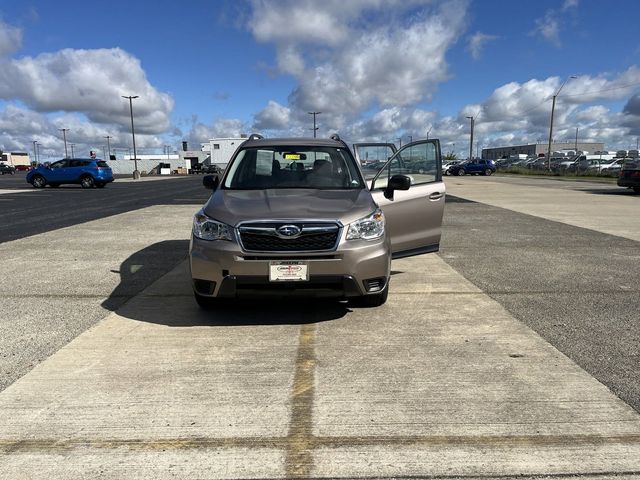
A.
x: 539, y: 149
x: 221, y: 149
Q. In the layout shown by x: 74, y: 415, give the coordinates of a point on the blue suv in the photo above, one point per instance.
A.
x: 474, y: 167
x: 88, y: 172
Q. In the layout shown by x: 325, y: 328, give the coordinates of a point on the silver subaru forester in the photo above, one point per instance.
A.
x: 299, y: 216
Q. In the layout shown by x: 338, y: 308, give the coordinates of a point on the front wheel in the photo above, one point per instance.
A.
x: 86, y: 181
x: 488, y: 172
x: 38, y: 181
x: 461, y: 172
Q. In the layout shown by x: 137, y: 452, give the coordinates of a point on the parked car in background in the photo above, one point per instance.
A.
x: 630, y: 176
x: 6, y: 169
x: 23, y: 168
x: 211, y: 169
x: 612, y: 168
x: 88, y: 172
x: 447, y: 165
x: 473, y: 167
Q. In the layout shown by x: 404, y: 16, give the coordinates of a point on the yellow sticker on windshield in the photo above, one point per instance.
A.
x: 292, y: 156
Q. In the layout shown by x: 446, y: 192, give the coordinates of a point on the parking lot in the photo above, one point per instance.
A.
x: 512, y: 352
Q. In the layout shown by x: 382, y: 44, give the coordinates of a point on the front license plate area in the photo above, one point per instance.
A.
x: 288, y: 271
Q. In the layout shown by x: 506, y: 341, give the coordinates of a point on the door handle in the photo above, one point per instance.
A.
x: 436, y: 196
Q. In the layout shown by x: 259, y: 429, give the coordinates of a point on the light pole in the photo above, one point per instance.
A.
x: 400, y: 140
x: 72, y: 154
x: 471, y: 139
x: 64, y: 136
x: 35, y: 151
x: 553, y: 108
x: 108, y: 147
x: 167, y: 147
x: 410, y: 138
x: 576, y: 140
x: 429, y: 131
x: 136, y: 173
x: 314, y: 122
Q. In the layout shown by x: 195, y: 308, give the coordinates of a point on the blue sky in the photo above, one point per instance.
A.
x: 377, y: 69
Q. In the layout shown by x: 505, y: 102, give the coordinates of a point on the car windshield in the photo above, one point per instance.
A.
x: 293, y: 167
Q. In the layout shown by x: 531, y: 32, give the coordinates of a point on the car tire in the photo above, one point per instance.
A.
x: 86, y: 181
x: 488, y: 172
x: 38, y: 181
x: 461, y: 172
x: 374, y: 300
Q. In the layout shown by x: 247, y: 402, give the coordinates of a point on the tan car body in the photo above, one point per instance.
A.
x: 352, y: 268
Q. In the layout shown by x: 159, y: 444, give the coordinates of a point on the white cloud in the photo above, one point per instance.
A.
x: 10, y: 39
x: 89, y: 82
x: 273, y: 117
x: 476, y: 43
x: 350, y: 56
x: 548, y: 26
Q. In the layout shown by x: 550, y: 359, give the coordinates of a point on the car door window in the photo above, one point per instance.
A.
x: 418, y: 162
x: 59, y: 164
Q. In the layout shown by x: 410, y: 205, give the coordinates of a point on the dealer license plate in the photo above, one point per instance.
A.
x: 288, y: 271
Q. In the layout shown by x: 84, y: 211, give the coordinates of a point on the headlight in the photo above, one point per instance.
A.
x: 367, y: 228
x: 208, y: 229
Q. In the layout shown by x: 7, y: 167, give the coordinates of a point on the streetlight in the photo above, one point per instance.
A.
x: 64, y: 136
x: 410, y: 138
x: 72, y: 154
x: 471, y: 139
x: 314, y: 122
x: 35, y: 151
x: 400, y: 140
x: 136, y: 173
x: 429, y: 131
x: 108, y: 146
x: 553, y: 107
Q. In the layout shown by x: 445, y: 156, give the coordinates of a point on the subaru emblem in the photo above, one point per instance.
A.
x: 289, y: 231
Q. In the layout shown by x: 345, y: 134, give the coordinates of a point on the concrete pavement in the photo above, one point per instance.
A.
x: 441, y: 381
x: 612, y: 214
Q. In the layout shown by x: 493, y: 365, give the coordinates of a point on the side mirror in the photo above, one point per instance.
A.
x: 211, y: 181
x: 397, y: 182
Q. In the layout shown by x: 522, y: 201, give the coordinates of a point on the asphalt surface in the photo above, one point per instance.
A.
x: 34, y: 211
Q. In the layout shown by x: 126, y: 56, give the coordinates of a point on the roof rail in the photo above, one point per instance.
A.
x: 255, y: 136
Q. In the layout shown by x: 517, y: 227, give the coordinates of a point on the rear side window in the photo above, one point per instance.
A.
x: 102, y: 164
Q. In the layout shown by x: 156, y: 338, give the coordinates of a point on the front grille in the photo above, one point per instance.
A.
x: 313, y: 237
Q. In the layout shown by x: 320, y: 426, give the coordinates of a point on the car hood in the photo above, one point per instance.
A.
x: 236, y: 206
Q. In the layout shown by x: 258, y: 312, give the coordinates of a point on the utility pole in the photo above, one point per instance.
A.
x: 471, y: 139
x: 429, y: 131
x: 35, y: 151
x: 314, y: 122
x: 576, y: 140
x: 72, y: 154
x: 108, y: 146
x: 400, y: 140
x: 553, y: 108
x: 136, y: 173
x: 64, y: 136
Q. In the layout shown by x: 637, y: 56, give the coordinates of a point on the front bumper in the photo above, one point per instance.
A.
x: 357, y: 267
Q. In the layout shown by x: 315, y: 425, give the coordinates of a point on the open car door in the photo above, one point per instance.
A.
x: 410, y: 191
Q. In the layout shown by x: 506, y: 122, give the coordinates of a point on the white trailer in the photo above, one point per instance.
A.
x: 221, y: 149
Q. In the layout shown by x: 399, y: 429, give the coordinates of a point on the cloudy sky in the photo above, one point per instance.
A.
x: 376, y: 69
